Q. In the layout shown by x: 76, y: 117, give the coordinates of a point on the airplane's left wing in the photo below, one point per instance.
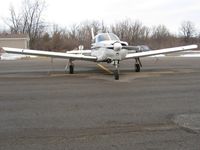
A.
x: 78, y: 56
x: 160, y: 51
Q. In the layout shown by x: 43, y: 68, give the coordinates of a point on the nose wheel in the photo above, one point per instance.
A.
x: 116, y: 72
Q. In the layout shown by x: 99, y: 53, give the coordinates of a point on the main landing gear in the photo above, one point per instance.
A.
x: 71, y: 67
x: 138, y: 64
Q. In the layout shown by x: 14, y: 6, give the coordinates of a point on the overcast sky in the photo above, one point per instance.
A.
x: 150, y: 12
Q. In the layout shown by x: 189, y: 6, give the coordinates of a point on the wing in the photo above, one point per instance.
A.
x: 78, y: 56
x: 160, y: 51
x: 84, y: 52
x: 138, y: 48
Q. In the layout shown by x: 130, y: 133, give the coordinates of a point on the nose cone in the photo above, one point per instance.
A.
x: 117, y: 46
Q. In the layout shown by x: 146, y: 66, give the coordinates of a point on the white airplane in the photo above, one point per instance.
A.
x: 106, y: 47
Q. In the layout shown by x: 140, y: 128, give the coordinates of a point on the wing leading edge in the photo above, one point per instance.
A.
x: 160, y: 51
x: 80, y: 56
x: 49, y: 54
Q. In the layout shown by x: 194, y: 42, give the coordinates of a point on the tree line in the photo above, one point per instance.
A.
x: 54, y: 38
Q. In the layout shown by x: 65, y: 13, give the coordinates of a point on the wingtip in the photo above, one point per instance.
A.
x: 194, y: 46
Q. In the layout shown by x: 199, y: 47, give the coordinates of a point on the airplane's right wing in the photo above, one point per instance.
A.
x: 160, y: 51
x: 138, y: 48
x: 75, y: 55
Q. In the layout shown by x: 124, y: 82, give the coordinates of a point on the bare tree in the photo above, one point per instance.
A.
x: 84, y: 35
x: 29, y: 20
x: 160, y: 37
x: 131, y: 31
x: 14, y: 21
x: 187, y: 30
x: 80, y: 34
x: 160, y: 32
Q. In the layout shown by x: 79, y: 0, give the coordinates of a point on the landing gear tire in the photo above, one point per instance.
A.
x: 71, y: 69
x: 137, y: 67
x: 116, y: 74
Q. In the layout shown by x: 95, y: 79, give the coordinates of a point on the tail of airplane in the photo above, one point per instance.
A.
x: 1, y: 51
x: 92, y: 32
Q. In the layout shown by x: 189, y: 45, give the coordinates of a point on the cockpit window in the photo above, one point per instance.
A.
x: 113, y: 37
x: 103, y: 37
x: 107, y: 37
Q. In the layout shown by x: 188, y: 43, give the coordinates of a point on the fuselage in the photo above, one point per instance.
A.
x: 108, y: 47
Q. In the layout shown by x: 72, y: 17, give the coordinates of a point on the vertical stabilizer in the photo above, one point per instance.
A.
x: 92, y: 32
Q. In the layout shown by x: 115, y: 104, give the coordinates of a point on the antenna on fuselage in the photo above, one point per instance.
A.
x: 92, y: 32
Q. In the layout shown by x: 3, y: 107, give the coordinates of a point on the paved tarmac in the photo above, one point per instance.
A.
x: 42, y: 108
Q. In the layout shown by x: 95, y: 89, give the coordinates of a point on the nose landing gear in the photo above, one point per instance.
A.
x: 116, y: 72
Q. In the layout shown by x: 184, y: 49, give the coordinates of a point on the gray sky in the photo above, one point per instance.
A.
x: 150, y: 12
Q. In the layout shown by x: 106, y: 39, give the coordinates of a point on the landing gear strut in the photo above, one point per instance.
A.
x: 138, y: 64
x: 116, y: 72
x: 71, y: 67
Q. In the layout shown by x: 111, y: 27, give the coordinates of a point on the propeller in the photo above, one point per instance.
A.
x: 117, y: 46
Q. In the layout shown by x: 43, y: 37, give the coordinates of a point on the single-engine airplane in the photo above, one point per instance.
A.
x: 106, y: 47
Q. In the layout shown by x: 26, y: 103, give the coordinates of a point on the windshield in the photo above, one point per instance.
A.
x: 113, y: 37
x: 107, y: 37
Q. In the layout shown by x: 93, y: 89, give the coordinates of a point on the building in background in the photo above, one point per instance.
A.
x: 14, y: 40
